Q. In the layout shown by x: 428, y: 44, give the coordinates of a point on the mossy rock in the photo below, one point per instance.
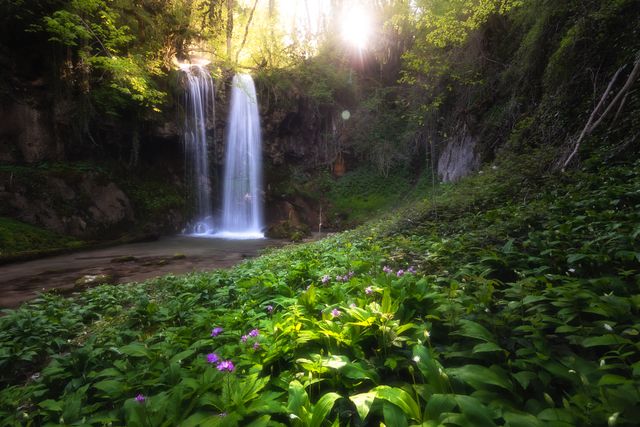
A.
x: 287, y: 230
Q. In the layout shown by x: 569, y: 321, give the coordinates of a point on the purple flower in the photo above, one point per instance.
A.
x: 386, y: 269
x: 140, y: 398
x: 411, y: 270
x: 212, y: 358
x: 226, y: 365
x: 244, y: 338
x: 368, y: 290
x: 269, y: 309
x: 254, y: 333
x: 325, y: 279
x: 256, y: 346
x: 400, y: 273
x: 216, y: 331
x: 338, y: 278
x: 335, y: 312
x: 350, y: 275
x: 222, y: 414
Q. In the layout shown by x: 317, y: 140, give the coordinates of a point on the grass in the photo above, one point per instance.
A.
x: 522, y: 311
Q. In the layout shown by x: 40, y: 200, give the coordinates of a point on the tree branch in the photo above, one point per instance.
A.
x: 620, y: 97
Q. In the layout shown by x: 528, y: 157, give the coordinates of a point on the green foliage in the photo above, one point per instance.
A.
x: 448, y: 23
x: 520, y: 308
x: 364, y: 192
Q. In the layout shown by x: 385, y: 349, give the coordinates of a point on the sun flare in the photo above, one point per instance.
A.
x: 356, y: 26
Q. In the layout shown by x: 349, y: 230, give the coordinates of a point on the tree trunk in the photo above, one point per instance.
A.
x: 229, y: 27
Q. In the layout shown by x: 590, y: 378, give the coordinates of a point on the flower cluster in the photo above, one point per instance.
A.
x: 251, y: 334
x: 221, y: 365
x: 345, y: 278
x: 335, y: 312
x: 325, y: 279
x: 216, y: 331
x: 140, y: 398
x: 225, y: 365
x: 386, y: 269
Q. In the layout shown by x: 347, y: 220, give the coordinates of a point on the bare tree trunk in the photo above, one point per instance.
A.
x: 229, y: 26
x: 246, y: 30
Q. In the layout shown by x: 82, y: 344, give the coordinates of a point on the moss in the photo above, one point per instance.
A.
x: 19, y: 238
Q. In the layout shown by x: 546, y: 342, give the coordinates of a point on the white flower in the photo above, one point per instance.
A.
x: 416, y: 358
x: 608, y: 327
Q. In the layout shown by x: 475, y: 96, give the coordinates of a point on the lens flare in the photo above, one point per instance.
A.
x: 356, y: 26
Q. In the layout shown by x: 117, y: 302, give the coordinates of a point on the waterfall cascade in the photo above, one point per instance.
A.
x: 242, y: 216
x: 200, y: 108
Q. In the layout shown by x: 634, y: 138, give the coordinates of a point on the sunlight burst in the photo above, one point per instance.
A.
x: 356, y: 26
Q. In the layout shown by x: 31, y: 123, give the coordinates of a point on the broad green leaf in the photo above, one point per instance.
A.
x: 474, y: 330
x: 134, y: 349
x: 262, y: 421
x: 202, y: 419
x: 608, y: 339
x: 610, y: 379
x: 430, y: 369
x: 520, y: 420
x: 486, y: 347
x: 559, y: 416
x: 357, y: 371
x: 524, y: 378
x: 51, y: 405
x: 335, y: 362
x: 111, y: 388
x: 475, y: 411
x: 394, y: 416
x: 363, y: 402
x: 572, y: 258
x: 479, y: 377
x: 298, y: 398
x: 322, y: 408
x: 181, y: 356
x: 438, y: 404
x: 400, y: 398
x: 529, y: 299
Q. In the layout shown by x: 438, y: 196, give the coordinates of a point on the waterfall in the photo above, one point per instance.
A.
x: 200, y: 108
x: 242, y: 186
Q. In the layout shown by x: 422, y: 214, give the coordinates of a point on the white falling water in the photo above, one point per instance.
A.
x: 242, y: 186
x: 199, y: 108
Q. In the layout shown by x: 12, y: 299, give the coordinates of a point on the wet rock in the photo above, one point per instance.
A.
x: 90, y: 280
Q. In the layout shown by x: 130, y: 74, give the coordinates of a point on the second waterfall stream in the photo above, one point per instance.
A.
x: 242, y: 204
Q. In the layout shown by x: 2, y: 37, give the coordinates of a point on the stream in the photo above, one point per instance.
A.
x: 135, y: 262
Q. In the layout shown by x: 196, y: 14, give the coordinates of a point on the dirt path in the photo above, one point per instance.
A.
x: 135, y: 262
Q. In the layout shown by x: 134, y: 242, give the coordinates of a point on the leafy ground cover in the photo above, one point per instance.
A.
x: 503, y: 300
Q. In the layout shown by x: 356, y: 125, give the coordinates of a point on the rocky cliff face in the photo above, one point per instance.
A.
x: 81, y: 206
x: 458, y: 157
